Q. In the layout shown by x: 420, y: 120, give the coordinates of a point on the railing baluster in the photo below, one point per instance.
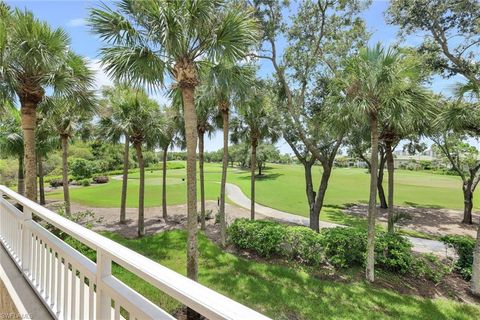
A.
x: 81, y: 294
x: 91, y: 305
x: 117, y: 310
x: 73, y: 295
x: 47, y: 273
x: 65, y: 288
x: 58, y: 294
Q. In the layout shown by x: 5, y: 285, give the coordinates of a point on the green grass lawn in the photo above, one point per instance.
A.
x: 278, y: 291
x: 282, y: 187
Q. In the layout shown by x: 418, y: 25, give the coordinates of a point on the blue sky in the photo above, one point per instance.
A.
x: 71, y: 14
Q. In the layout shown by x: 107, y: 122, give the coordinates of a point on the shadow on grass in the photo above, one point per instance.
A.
x: 420, y: 206
x: 263, y: 177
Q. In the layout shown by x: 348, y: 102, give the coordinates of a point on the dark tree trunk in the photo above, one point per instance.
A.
x: 307, y: 165
x: 259, y: 169
x: 141, y: 191
x: 320, y: 198
x: 21, y: 176
x: 123, y: 204
x: 66, y: 191
x: 391, y: 170
x: 253, y: 163
x: 468, y: 203
x: 381, y: 191
x: 41, y: 181
x: 372, y: 204
x: 164, y: 184
x: 201, y: 159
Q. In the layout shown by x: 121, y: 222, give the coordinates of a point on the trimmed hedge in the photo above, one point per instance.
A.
x: 464, y: 246
x: 340, y: 247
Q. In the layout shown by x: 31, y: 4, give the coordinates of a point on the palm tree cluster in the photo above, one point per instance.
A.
x: 203, y: 54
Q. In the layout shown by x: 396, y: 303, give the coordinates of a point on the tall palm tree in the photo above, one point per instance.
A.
x: 413, y: 117
x: 167, y: 139
x: 46, y: 142
x: 254, y: 123
x: 377, y: 80
x: 206, y: 113
x: 113, y: 126
x: 33, y: 57
x: 227, y: 81
x: 132, y: 113
x: 149, y: 39
x: 65, y: 115
x: 11, y: 143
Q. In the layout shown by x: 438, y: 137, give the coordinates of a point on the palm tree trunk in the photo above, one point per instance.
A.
x: 372, y: 204
x: 21, y: 176
x: 141, y: 191
x: 66, y: 191
x: 41, y: 182
x: 467, y: 202
x: 201, y: 159
x: 475, y: 282
x: 253, y: 163
x: 390, y: 169
x: 223, y: 224
x: 29, y: 121
x: 164, y: 184
x: 123, y: 204
x: 192, y: 222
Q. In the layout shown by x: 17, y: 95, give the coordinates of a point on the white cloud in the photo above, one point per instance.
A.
x: 78, y: 22
x: 101, y: 77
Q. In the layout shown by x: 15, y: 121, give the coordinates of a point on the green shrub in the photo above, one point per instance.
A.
x: 393, y: 252
x: 430, y: 267
x: 304, y: 245
x: 84, y: 182
x: 341, y: 247
x: 263, y: 237
x: 55, y: 183
x: 464, y: 246
x: 81, y: 169
x: 344, y: 247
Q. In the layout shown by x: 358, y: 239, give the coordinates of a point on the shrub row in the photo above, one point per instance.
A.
x: 58, y: 182
x: 340, y: 247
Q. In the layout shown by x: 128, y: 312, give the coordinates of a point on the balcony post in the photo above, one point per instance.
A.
x: 26, y: 241
x: 104, y: 269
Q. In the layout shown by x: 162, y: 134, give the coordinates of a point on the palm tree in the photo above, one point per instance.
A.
x: 33, y: 57
x: 254, y: 123
x: 167, y: 139
x: 411, y: 118
x: 226, y: 81
x: 65, y: 115
x: 377, y: 80
x: 150, y: 38
x: 113, y: 127
x: 132, y: 113
x: 206, y: 113
x: 11, y: 143
x: 46, y: 141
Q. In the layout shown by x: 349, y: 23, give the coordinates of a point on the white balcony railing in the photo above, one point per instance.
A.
x: 73, y: 287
